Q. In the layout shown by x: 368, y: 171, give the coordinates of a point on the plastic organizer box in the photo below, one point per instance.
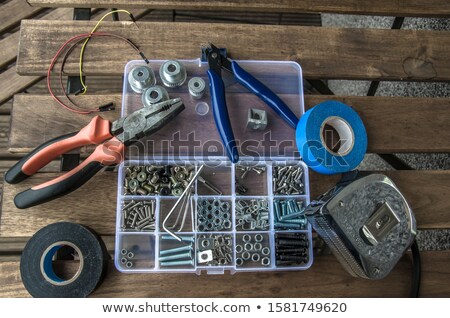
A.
x: 251, y: 230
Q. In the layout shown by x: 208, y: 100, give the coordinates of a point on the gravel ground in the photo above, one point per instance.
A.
x: 427, y: 239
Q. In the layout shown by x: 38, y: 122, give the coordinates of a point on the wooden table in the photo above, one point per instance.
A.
x: 394, y: 125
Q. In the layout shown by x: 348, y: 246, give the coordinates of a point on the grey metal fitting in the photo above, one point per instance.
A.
x: 265, y: 251
x: 265, y: 261
x: 257, y: 119
x: 196, y: 87
x: 141, y: 77
x: 256, y: 257
x: 239, y: 262
x: 172, y: 73
x: 153, y: 95
x: 259, y: 238
x: 248, y: 247
x: 246, y: 256
x: 246, y: 238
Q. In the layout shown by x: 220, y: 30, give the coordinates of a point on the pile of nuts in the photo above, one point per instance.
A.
x: 252, y: 215
x: 213, y: 215
x: 291, y: 249
x: 126, y: 258
x: 214, y: 249
x: 138, y: 215
x: 289, y: 214
x: 154, y: 180
x: 288, y: 180
x: 251, y: 250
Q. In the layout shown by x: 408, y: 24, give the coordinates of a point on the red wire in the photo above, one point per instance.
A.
x: 58, y: 53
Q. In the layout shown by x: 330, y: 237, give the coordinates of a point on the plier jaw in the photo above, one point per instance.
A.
x: 218, y: 61
x: 145, y: 121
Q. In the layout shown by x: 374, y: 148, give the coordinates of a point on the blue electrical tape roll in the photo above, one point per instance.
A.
x: 311, y: 143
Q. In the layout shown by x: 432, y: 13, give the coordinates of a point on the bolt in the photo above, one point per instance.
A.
x: 183, y: 238
x: 148, y: 188
x: 301, y: 250
x: 209, y: 185
x: 244, y: 174
x: 178, y: 263
x: 284, y: 242
x: 176, y: 256
x: 176, y: 250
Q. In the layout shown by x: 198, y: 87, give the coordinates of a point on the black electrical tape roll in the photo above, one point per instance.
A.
x: 36, y: 266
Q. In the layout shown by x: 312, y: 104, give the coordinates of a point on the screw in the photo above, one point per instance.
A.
x: 209, y: 185
x: 244, y: 174
x: 176, y: 256
x: 284, y: 242
x: 178, y: 263
x: 183, y: 238
x: 177, y: 250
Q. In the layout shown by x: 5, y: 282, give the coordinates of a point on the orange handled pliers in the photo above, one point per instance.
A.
x: 111, y: 138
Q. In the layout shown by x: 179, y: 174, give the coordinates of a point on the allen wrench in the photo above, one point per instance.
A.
x: 180, y: 199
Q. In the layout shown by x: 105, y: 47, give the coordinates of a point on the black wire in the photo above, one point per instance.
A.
x: 415, y: 287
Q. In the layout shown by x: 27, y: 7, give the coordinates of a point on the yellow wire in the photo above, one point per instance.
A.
x: 87, y: 40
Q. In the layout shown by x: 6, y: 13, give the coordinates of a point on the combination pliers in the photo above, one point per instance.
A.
x: 112, y: 139
x: 218, y: 61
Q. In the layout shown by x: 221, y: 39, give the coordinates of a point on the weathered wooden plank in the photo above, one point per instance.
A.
x: 94, y: 204
x: 326, y: 278
x: 13, y: 11
x: 322, y: 52
x: 12, y: 83
x: 394, y: 124
x: 9, y: 45
x: 381, y: 7
x: 47, y: 118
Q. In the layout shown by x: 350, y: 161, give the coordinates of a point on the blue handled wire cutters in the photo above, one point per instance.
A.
x: 217, y: 62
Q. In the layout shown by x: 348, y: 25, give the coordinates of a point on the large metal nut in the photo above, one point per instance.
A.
x: 172, y: 73
x: 257, y: 119
x: 140, y: 78
x: 154, y: 95
x: 196, y: 87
